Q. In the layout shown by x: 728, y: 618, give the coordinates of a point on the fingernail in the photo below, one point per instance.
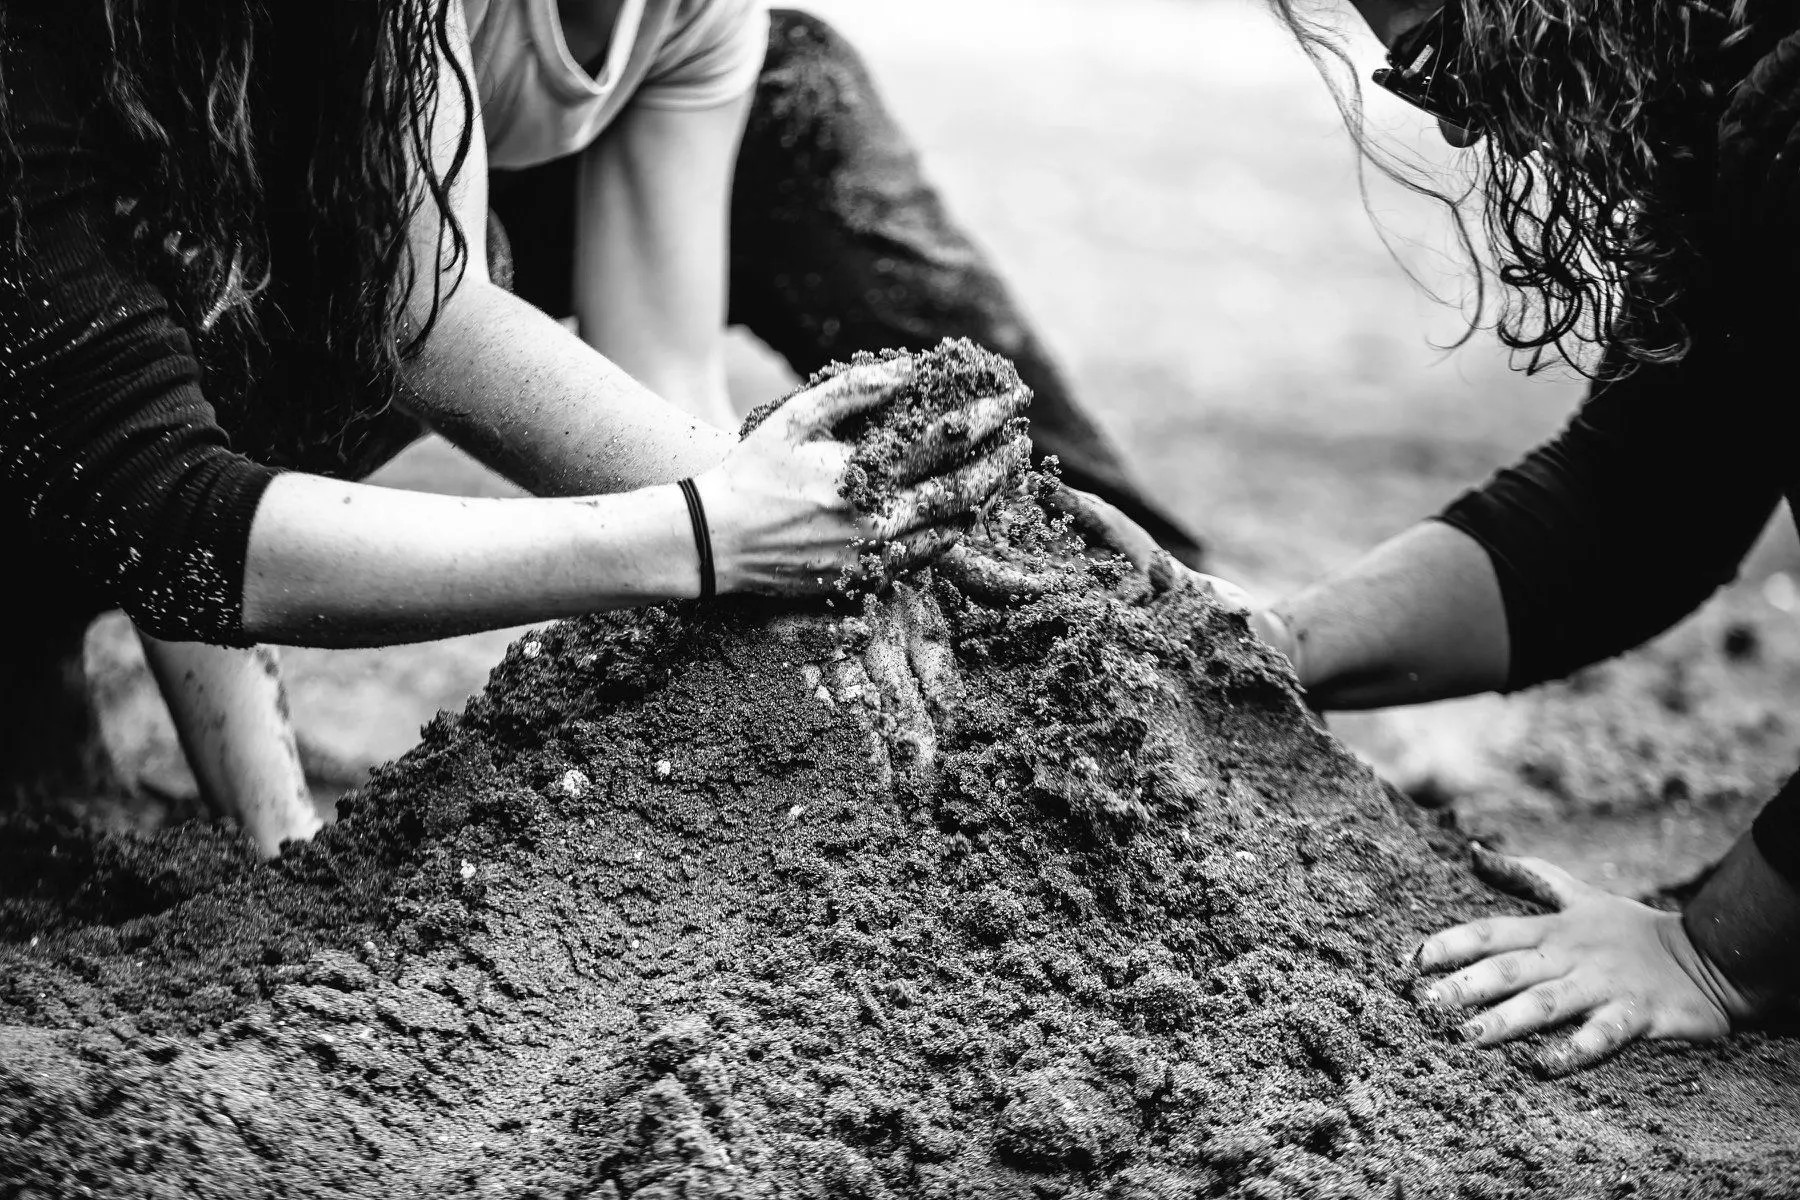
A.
x: 1469, y: 1031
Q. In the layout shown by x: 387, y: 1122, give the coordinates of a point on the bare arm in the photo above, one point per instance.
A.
x: 1418, y: 618
x: 513, y: 388
x: 652, y: 248
x: 339, y: 564
x: 509, y: 384
x: 231, y: 716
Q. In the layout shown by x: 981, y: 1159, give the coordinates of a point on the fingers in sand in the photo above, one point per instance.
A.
x: 961, y: 491
x: 954, y: 432
x: 1551, y: 1003
x: 1493, y: 978
x: 1479, y: 939
x: 1607, y: 1031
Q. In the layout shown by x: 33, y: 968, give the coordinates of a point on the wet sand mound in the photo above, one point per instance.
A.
x: 1057, y: 894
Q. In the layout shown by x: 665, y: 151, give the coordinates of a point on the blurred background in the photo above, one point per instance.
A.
x: 1173, y: 196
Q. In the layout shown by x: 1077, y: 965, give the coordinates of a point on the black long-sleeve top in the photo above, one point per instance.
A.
x: 110, y: 455
x: 1648, y: 500
x: 122, y: 482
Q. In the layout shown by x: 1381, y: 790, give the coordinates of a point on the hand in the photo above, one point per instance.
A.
x: 1624, y: 970
x: 779, y: 521
x: 1107, y: 528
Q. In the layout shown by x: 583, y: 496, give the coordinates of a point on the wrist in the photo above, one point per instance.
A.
x: 703, y: 547
x: 644, y: 548
x: 1277, y: 630
x: 714, y: 497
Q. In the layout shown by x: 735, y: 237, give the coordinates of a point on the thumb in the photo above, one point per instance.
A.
x: 817, y: 410
x: 1228, y: 594
x: 1532, y: 878
x: 1103, y: 525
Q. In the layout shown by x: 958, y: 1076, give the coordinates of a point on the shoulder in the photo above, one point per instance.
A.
x: 706, y: 51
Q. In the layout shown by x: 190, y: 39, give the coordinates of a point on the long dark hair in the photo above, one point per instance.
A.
x: 1593, y: 180
x: 239, y: 155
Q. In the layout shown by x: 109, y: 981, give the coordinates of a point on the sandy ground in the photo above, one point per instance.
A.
x: 1170, y: 189
x: 994, y: 890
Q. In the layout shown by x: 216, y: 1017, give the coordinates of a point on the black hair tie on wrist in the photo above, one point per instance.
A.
x: 702, y: 538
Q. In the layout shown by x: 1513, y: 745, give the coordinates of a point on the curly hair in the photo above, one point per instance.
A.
x: 245, y: 165
x: 1594, y: 177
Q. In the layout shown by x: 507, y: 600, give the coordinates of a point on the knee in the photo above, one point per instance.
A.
x: 816, y: 96
x: 801, y: 41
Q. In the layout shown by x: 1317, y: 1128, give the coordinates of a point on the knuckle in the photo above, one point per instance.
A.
x: 1482, y: 932
x: 1508, y: 968
x: 1548, y: 999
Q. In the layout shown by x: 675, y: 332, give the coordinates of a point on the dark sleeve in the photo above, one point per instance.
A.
x: 1777, y: 832
x: 111, y: 459
x: 1634, y: 514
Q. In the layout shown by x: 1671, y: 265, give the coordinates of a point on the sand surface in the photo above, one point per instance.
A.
x: 952, y: 895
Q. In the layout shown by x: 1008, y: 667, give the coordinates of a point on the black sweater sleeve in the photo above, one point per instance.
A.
x: 111, y: 459
x: 1634, y: 514
x: 1777, y: 831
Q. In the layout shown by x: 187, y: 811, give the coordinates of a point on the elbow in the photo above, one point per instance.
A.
x: 462, y: 279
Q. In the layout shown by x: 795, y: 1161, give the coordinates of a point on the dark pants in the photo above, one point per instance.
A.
x: 838, y: 244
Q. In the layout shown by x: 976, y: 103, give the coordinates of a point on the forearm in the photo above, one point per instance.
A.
x: 511, y: 386
x: 505, y: 381
x: 1419, y: 618
x: 231, y: 717
x: 335, y: 564
x: 652, y: 243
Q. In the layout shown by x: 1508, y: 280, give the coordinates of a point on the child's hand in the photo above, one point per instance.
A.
x: 1624, y: 970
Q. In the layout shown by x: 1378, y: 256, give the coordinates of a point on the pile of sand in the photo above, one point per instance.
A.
x: 1066, y: 895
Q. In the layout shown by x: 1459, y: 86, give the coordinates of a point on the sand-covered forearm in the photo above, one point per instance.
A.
x: 511, y: 386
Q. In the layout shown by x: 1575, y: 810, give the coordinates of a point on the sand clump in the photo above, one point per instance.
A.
x: 1062, y: 894
x: 920, y: 424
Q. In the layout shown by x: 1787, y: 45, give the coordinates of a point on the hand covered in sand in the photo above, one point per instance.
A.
x: 1623, y: 970
x: 1106, y: 528
x: 780, y: 520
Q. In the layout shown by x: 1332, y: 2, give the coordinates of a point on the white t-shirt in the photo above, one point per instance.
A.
x: 539, y: 104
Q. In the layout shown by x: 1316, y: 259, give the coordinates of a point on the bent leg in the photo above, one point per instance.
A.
x: 839, y: 244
